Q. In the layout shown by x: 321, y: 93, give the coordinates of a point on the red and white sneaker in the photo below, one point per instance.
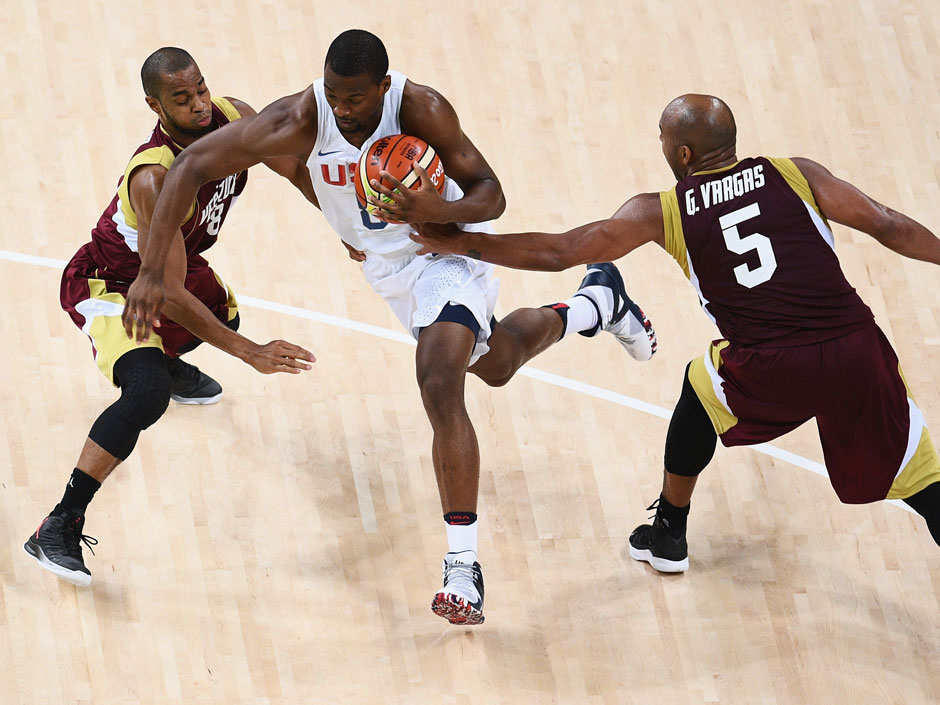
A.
x: 617, y: 313
x: 460, y: 601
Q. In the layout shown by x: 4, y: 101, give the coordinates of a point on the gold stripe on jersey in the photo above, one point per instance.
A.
x: 924, y: 466
x: 231, y: 301
x: 107, y: 332
x: 794, y: 177
x: 228, y: 110
x: 162, y: 156
x: 703, y: 374
x: 672, y: 222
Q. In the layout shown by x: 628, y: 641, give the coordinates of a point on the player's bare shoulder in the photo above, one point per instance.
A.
x: 423, y: 108
x: 244, y: 110
x: 640, y: 219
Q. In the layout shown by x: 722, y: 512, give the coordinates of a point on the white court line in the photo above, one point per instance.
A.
x: 547, y: 377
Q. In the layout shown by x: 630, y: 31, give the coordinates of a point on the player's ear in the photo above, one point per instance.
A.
x: 153, y: 103
x: 385, y: 84
x: 685, y: 154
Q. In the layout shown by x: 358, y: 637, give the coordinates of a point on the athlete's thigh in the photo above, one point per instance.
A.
x: 444, y: 349
x: 874, y: 438
x: 751, y: 395
x: 95, y: 307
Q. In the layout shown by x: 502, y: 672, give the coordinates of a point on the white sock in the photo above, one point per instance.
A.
x: 462, y: 537
x: 582, y: 314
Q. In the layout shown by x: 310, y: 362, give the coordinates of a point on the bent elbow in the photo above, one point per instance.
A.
x: 500, y: 206
x: 186, y: 169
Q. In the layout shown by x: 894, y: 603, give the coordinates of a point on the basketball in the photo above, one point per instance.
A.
x: 396, y: 155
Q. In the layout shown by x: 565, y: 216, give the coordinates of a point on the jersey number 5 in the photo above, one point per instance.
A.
x: 740, y: 245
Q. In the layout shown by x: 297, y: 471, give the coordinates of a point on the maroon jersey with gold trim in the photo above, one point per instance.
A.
x: 755, y: 245
x: 114, y: 239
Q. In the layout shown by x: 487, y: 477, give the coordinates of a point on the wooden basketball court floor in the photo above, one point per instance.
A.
x: 283, y: 546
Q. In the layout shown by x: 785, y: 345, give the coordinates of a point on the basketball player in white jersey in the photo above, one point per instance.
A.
x: 446, y: 302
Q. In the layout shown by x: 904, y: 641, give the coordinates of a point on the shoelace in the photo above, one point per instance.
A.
x: 460, y: 575
x: 657, y: 519
x: 73, y: 540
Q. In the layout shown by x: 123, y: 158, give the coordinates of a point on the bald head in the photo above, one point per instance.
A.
x: 702, y: 123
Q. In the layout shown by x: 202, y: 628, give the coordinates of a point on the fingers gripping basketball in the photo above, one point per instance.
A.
x: 397, y: 155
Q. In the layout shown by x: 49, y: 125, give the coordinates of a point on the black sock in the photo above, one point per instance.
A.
x: 78, y: 493
x: 460, y: 518
x: 562, y: 311
x: 674, y: 518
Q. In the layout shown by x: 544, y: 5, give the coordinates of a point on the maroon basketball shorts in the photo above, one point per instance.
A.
x: 95, y: 305
x: 874, y: 439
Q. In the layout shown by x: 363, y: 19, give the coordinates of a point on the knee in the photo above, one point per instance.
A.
x: 441, y: 392
x: 495, y: 378
x: 145, y: 395
x: 691, y: 438
x: 498, y: 381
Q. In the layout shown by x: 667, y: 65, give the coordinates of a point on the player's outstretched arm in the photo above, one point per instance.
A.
x: 281, y: 129
x: 291, y: 168
x: 844, y: 203
x: 637, y: 222
x: 189, y: 311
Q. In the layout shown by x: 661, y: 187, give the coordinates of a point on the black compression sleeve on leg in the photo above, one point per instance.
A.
x: 691, y: 439
x: 927, y: 504
x: 145, y: 394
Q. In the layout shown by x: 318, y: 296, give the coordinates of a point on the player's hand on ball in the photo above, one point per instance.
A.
x: 439, y: 238
x: 280, y: 356
x: 421, y: 204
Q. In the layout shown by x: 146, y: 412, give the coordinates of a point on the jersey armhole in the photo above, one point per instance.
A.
x: 228, y: 110
x: 672, y: 226
x: 155, y: 156
x: 795, y: 180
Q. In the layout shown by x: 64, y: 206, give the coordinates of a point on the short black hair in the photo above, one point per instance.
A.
x: 355, y: 52
x: 163, y: 61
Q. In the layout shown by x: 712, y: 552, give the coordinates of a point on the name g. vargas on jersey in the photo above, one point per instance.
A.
x: 724, y: 189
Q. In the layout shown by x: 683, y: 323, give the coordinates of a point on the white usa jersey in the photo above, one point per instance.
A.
x: 332, y: 163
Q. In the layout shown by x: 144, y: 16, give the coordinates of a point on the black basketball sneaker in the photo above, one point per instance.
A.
x: 189, y: 385
x: 57, y: 546
x: 617, y: 313
x: 460, y: 601
x: 667, y: 551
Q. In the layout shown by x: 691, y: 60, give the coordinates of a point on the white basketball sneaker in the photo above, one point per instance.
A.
x: 460, y: 601
x: 617, y: 313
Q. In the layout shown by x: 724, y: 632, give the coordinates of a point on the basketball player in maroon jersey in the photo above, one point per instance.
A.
x: 199, y: 306
x: 752, y: 236
x: 445, y: 302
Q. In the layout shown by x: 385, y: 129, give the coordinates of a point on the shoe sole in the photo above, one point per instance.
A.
x: 639, y: 348
x: 663, y: 565
x: 456, y: 610
x: 76, y: 577
x: 201, y: 401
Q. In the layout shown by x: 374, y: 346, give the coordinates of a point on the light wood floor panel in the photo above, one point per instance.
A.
x: 282, y: 547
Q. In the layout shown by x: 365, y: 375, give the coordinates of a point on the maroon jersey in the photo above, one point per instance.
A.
x: 755, y: 245
x: 114, y: 239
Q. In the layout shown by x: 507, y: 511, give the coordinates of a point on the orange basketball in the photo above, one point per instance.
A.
x: 396, y: 155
